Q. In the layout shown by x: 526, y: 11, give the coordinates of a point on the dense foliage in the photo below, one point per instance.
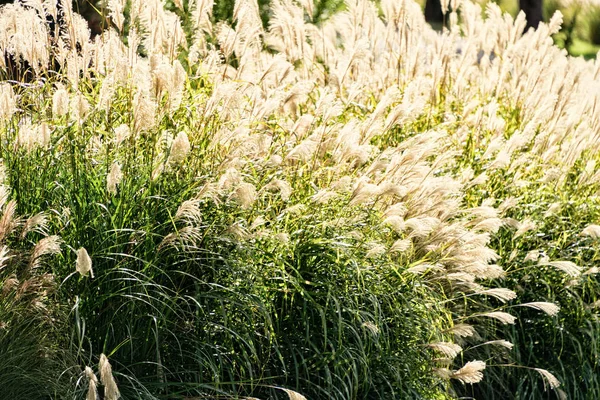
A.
x: 351, y: 208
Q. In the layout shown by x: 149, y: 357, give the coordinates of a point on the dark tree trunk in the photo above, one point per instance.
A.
x: 533, y: 12
x: 433, y: 12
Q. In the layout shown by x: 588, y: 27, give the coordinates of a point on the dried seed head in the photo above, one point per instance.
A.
x: 111, y: 392
x: 8, y: 221
x: 60, y: 103
x: 114, y: 178
x: 283, y: 187
x: 567, y: 267
x: 180, y: 148
x: 7, y: 101
x: 144, y: 112
x: 31, y: 137
x: 470, y: 372
x: 548, y: 378
x: 525, y: 226
x: 549, y: 308
x: 533, y: 255
x: 462, y: 330
x: 4, y: 256
x: 48, y: 245
x: 122, y: 132
x: 375, y: 250
x: 501, y: 316
x: 292, y: 394
x: 592, y: 231
x: 370, y: 326
x: 503, y: 343
x: 447, y: 348
x: 189, y: 211
x: 84, y: 263
x: 79, y: 107
x: 245, y: 194
x: 92, y: 393
x: 400, y: 246
x: 501, y: 294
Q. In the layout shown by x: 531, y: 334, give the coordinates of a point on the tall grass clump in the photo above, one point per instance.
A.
x: 31, y: 323
x: 348, y: 209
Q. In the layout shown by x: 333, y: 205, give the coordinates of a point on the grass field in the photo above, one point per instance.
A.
x: 358, y: 207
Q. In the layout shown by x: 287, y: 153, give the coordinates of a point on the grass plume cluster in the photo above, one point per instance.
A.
x: 359, y: 208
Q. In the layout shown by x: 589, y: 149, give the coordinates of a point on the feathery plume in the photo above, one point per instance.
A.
x: 592, y: 231
x: 532, y: 255
x: 590, y: 271
x: 525, y: 226
x: 245, y: 194
x: 501, y: 316
x: 548, y: 378
x: 144, y: 112
x: 502, y: 343
x: 375, y: 250
x: 293, y: 395
x: 111, y: 392
x: 185, y: 238
x: 501, y: 294
x: 92, y: 393
x: 114, y: 178
x: 370, y: 326
x: 549, y: 308
x: 8, y: 220
x: 567, y: 267
x: 470, y: 372
x: 79, y: 107
x: 122, y: 132
x: 116, y: 8
x: 284, y: 188
x: 462, y: 330
x: 447, y: 348
x: 400, y: 246
x: 424, y: 267
x: 7, y: 102
x: 180, y: 148
x: 83, y: 264
x: 48, y: 245
x: 4, y: 256
x: 553, y: 209
x: 189, y: 211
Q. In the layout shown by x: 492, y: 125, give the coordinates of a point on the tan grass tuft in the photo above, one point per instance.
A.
x: 37, y: 223
x: 111, y: 392
x: 447, y: 348
x: 549, y: 308
x: 48, y: 245
x: 114, y: 178
x: 501, y: 343
x: 245, y: 194
x: 501, y: 294
x: 462, y: 330
x: 470, y: 372
x: 293, y: 395
x: 83, y: 264
x: 548, y: 378
x: 60, y: 103
x: 189, y: 211
x: 180, y: 148
x: 92, y: 393
x: 567, y: 267
x: 501, y: 316
x: 592, y: 231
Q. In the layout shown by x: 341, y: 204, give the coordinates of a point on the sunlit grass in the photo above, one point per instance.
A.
x: 356, y: 208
